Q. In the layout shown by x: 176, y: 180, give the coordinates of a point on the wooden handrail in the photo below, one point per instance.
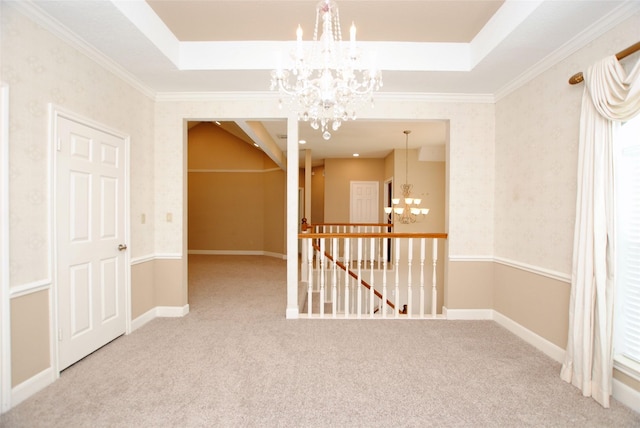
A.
x: 373, y: 235
x: 353, y: 275
x: 352, y: 224
x: 314, y: 226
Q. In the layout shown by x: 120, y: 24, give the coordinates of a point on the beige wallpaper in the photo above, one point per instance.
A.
x: 536, y: 158
x: 40, y: 69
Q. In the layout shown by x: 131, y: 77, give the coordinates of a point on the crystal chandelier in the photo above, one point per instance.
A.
x: 411, y: 210
x: 327, y: 81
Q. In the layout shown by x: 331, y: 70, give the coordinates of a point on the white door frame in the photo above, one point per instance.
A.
x: 5, y: 304
x: 55, y: 113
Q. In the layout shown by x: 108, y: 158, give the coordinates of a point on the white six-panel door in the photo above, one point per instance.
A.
x: 364, y: 202
x: 90, y: 239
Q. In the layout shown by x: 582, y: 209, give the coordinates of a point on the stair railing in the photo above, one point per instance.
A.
x: 331, y: 261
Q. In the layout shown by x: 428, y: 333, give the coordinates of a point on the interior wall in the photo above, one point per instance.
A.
x: 536, y: 301
x: 317, y: 194
x: 40, y: 70
x: 274, y: 188
x: 235, y: 194
x: 30, y: 336
x: 429, y: 183
x: 537, y: 132
x: 338, y: 176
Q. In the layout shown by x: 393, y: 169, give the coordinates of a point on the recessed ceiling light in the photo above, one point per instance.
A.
x: 217, y: 123
x: 256, y: 144
x: 355, y: 155
x: 302, y: 142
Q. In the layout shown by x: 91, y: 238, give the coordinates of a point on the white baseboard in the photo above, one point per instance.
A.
x: 31, y: 386
x: 143, y: 319
x: 626, y: 395
x: 172, y: 311
x: 238, y: 253
x: 621, y: 392
x: 292, y: 313
x: 159, y: 311
x: 550, y: 349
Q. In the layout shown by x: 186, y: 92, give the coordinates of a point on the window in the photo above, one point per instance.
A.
x: 627, y: 202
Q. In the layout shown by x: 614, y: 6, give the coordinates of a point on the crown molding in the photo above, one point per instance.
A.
x: 591, y: 33
x: 33, y: 12
x: 274, y: 96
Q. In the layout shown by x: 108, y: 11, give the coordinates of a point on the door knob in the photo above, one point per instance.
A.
x: 122, y: 247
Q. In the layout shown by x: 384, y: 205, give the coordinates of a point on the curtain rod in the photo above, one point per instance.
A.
x: 578, y: 77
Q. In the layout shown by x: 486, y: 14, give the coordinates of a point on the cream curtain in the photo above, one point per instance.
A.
x: 610, y: 97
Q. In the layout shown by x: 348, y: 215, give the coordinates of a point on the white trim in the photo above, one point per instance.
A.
x: 5, y: 305
x: 143, y: 259
x: 31, y: 287
x: 171, y: 256
x: 626, y: 395
x: 157, y: 312
x: 238, y: 253
x: 53, y: 236
x: 172, y: 311
x: 52, y: 25
x: 467, y: 314
x: 127, y: 233
x: 236, y: 170
x: 143, y: 319
x: 471, y: 259
x: 168, y: 256
x: 274, y: 255
x: 603, y: 25
x: 626, y: 366
x: 292, y: 314
x: 32, y: 386
x: 550, y: 349
x: 558, y: 276
x: 265, y: 96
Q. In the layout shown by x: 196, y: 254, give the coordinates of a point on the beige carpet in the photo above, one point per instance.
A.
x: 234, y: 361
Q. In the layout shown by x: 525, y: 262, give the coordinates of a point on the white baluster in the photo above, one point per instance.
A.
x: 366, y: 251
x: 434, y: 291
x: 359, y: 282
x: 384, y: 279
x: 346, y: 277
x: 305, y: 259
x: 422, y: 242
x: 397, y: 293
x: 409, y: 274
x: 371, y: 280
x: 322, y: 276
x: 334, y: 279
x: 310, y: 279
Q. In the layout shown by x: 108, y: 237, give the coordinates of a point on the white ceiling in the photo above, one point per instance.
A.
x: 457, y: 49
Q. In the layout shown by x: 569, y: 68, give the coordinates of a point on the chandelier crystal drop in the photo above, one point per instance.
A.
x: 410, y: 212
x: 328, y: 81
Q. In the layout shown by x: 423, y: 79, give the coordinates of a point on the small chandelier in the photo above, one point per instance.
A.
x: 411, y: 210
x: 328, y: 81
